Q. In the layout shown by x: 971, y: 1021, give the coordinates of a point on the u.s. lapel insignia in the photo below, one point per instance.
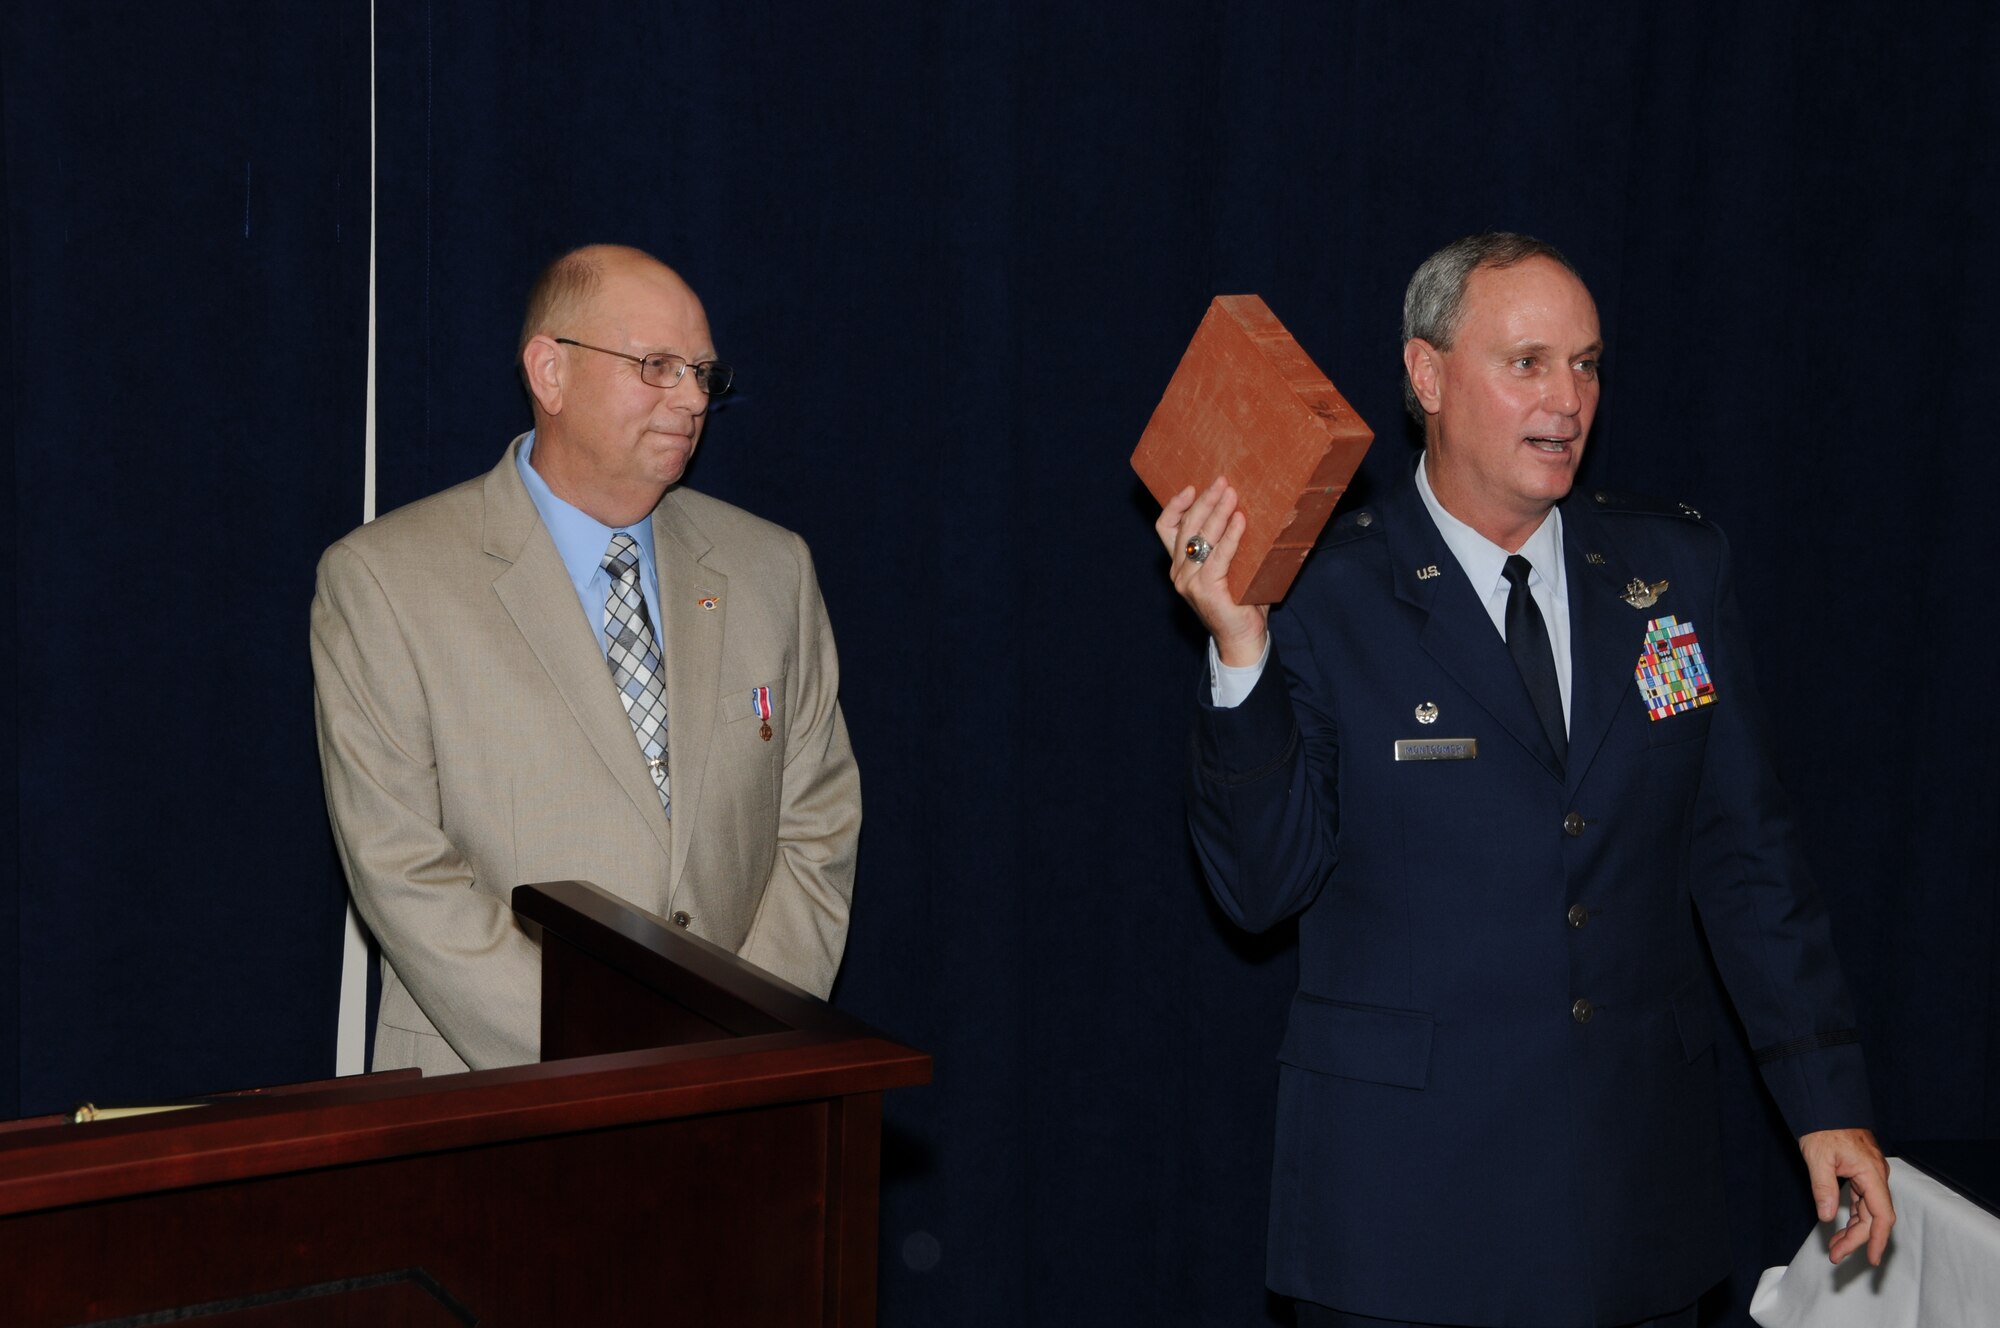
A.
x: 708, y: 603
x: 1594, y: 559
x: 1426, y: 573
x: 1427, y: 713
x: 1642, y: 596
x: 760, y: 705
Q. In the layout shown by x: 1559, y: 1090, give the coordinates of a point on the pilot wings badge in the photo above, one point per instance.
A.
x: 1641, y: 595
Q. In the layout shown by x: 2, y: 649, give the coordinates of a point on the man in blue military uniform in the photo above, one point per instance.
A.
x: 1496, y: 750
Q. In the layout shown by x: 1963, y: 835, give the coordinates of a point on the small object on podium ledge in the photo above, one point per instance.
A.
x: 1248, y: 403
x: 86, y: 1112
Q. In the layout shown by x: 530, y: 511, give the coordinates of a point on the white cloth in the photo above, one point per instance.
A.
x: 1942, y: 1269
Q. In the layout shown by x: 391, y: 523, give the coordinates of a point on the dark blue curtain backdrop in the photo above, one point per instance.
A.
x: 955, y: 252
x: 187, y: 241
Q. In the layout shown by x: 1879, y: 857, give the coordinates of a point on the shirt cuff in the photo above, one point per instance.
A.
x: 1229, y: 686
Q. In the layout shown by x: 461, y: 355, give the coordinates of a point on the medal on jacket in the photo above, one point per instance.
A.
x: 760, y: 705
x: 1672, y: 675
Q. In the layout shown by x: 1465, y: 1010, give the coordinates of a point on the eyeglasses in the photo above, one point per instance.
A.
x: 663, y: 370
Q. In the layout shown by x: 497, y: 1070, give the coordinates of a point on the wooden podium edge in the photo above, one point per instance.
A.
x: 793, y: 1047
x: 726, y: 988
x: 362, y: 1121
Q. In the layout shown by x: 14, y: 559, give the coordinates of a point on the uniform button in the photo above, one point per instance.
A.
x: 1573, y: 824
x: 1578, y: 915
x: 1582, y: 1011
x: 681, y: 918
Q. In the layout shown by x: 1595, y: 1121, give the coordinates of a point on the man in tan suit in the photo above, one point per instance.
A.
x: 473, y: 736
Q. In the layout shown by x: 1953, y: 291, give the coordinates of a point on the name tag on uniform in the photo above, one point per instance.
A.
x: 1436, y: 749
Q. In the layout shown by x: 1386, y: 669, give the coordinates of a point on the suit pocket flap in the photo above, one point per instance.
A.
x: 1358, y: 1042
x: 1681, y: 726
x: 759, y: 703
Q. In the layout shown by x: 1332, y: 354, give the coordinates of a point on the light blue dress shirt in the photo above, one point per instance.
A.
x: 582, y: 541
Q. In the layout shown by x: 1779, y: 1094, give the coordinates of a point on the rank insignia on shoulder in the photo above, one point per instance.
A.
x: 1672, y: 675
x: 1641, y: 595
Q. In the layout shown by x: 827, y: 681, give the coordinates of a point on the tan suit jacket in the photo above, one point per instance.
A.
x: 472, y: 740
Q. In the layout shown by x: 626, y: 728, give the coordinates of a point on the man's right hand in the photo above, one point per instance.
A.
x: 1238, y: 629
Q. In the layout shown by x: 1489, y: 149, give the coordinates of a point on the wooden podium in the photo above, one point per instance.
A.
x: 708, y: 1153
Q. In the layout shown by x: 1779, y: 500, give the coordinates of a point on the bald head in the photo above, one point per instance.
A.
x: 607, y: 441
x: 566, y: 287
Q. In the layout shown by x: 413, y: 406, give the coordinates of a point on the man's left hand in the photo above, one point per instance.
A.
x: 1853, y: 1156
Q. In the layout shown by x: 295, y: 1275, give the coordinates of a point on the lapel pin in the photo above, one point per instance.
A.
x: 1594, y: 559
x: 760, y: 705
x: 1642, y: 596
x: 1427, y: 713
x: 1426, y: 573
x: 708, y: 603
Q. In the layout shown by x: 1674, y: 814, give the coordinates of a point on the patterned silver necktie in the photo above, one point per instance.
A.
x: 635, y: 660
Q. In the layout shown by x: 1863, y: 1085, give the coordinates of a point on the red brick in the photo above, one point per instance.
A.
x: 1248, y: 403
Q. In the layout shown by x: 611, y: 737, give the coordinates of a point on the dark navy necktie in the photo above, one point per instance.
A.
x: 1528, y: 641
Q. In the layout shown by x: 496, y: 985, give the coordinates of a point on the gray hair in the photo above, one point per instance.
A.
x: 1435, y: 301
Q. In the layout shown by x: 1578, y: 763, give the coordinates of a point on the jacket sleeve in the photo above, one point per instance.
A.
x: 1263, y: 803
x: 1759, y: 907
x: 800, y: 928
x: 473, y: 972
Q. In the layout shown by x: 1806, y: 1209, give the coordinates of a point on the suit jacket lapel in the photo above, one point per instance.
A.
x: 536, y: 591
x: 692, y: 646
x: 1605, y: 635
x: 1457, y: 632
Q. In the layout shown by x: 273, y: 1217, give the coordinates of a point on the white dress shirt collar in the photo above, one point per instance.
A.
x: 1483, y: 562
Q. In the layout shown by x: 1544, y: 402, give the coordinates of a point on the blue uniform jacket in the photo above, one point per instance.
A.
x: 1497, y: 1085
